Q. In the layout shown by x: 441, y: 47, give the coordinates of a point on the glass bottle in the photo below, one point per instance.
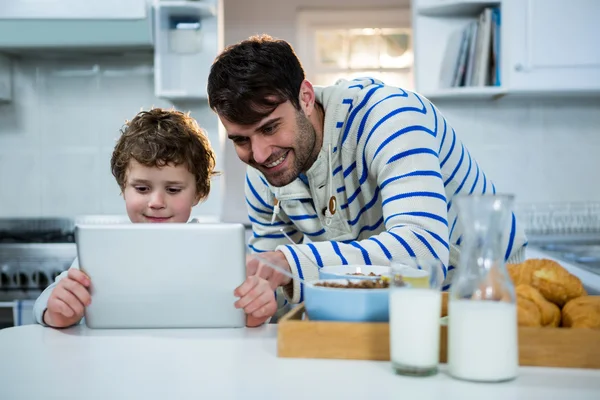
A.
x: 482, y: 311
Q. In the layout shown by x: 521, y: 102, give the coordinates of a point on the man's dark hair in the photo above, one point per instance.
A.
x: 250, y: 79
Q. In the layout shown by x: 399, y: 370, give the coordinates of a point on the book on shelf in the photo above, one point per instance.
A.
x: 496, y: 46
x: 472, y: 56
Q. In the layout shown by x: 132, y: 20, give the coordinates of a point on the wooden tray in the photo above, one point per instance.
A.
x: 541, y: 347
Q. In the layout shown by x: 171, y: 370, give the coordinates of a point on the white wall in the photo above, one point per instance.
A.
x: 57, y: 135
x: 540, y: 150
x: 244, y: 18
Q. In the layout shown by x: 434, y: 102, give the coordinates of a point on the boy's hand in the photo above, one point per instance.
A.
x: 275, y: 278
x: 68, y: 300
x: 257, y: 298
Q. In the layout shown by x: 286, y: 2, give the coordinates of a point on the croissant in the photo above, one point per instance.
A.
x: 582, y: 312
x: 533, y: 309
x: 554, y: 282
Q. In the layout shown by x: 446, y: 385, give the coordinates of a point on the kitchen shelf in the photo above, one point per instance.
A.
x: 527, y: 65
x: 453, y: 8
x: 486, y: 92
x: 187, y: 39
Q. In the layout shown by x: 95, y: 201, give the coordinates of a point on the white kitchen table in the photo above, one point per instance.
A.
x: 79, y: 363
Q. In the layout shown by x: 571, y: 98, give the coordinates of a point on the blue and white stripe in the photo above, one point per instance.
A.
x: 400, y: 156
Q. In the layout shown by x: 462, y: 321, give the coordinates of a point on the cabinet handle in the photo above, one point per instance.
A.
x: 519, y: 67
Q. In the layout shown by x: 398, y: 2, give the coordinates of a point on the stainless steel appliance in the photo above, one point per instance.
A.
x: 32, y: 253
x: 568, y: 233
x: 583, y: 251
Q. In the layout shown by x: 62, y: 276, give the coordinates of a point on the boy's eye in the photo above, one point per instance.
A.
x: 142, y: 189
x: 173, y: 190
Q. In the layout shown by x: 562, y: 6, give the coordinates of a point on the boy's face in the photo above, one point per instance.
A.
x: 165, y: 194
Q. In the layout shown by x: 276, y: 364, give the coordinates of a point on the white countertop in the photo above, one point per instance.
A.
x: 80, y: 363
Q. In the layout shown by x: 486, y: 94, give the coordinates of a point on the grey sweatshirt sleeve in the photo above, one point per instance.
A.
x: 41, y: 302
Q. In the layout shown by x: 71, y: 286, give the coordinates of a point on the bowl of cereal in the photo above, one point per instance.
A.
x: 354, y: 271
x: 351, y: 300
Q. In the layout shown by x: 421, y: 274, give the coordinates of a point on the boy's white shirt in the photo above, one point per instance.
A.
x: 41, y: 303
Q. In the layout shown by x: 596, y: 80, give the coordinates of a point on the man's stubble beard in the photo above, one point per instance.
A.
x: 305, y: 153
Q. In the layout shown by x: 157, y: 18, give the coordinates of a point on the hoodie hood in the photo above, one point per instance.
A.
x: 337, y: 101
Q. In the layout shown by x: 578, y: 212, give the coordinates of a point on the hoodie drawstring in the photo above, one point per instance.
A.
x: 332, y: 204
x: 275, y: 211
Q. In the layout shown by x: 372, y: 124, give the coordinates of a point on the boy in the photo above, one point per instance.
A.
x: 163, y: 163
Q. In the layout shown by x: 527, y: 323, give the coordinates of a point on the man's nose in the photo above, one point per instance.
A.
x: 157, y: 199
x: 260, y: 150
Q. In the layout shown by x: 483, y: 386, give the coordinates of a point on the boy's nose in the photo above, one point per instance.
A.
x: 157, y: 200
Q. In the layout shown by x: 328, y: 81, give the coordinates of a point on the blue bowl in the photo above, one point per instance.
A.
x: 346, y: 271
x: 350, y: 305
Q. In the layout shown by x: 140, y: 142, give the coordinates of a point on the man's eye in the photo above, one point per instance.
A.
x: 268, y: 130
x: 240, y: 140
x: 142, y: 189
x: 173, y: 190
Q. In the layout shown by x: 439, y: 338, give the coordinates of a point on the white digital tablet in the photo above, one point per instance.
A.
x: 163, y: 275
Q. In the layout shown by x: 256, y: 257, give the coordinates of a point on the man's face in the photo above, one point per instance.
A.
x: 165, y: 194
x: 281, y: 145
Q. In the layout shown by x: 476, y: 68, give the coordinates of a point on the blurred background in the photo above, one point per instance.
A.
x: 519, y: 80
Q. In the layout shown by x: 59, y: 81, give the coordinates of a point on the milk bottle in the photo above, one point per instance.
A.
x: 482, y: 313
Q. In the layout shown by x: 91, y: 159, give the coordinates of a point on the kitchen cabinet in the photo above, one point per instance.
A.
x: 73, y: 9
x: 552, y: 45
x: 540, y: 47
x: 43, y: 24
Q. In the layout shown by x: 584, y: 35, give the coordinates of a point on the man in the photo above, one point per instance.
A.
x: 358, y: 172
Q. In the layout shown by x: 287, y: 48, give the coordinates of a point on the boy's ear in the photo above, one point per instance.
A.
x: 196, y: 201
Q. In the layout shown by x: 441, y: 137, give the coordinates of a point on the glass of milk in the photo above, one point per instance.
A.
x: 415, y: 309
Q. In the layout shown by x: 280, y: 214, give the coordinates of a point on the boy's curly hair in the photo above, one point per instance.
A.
x: 159, y: 137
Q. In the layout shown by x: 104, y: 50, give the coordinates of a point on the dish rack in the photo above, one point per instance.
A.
x: 559, y: 218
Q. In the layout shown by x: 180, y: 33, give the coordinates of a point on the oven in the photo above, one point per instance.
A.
x: 32, y: 253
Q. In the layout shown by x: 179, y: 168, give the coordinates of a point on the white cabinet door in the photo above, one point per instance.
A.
x: 551, y: 45
x: 73, y: 9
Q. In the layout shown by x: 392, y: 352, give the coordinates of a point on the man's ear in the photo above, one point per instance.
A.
x: 307, y: 97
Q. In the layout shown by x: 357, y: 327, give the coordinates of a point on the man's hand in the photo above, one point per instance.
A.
x: 275, y: 278
x: 257, y: 298
x: 68, y: 300
x: 257, y: 292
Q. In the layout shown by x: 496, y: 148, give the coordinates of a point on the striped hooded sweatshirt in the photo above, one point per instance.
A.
x: 394, y: 166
